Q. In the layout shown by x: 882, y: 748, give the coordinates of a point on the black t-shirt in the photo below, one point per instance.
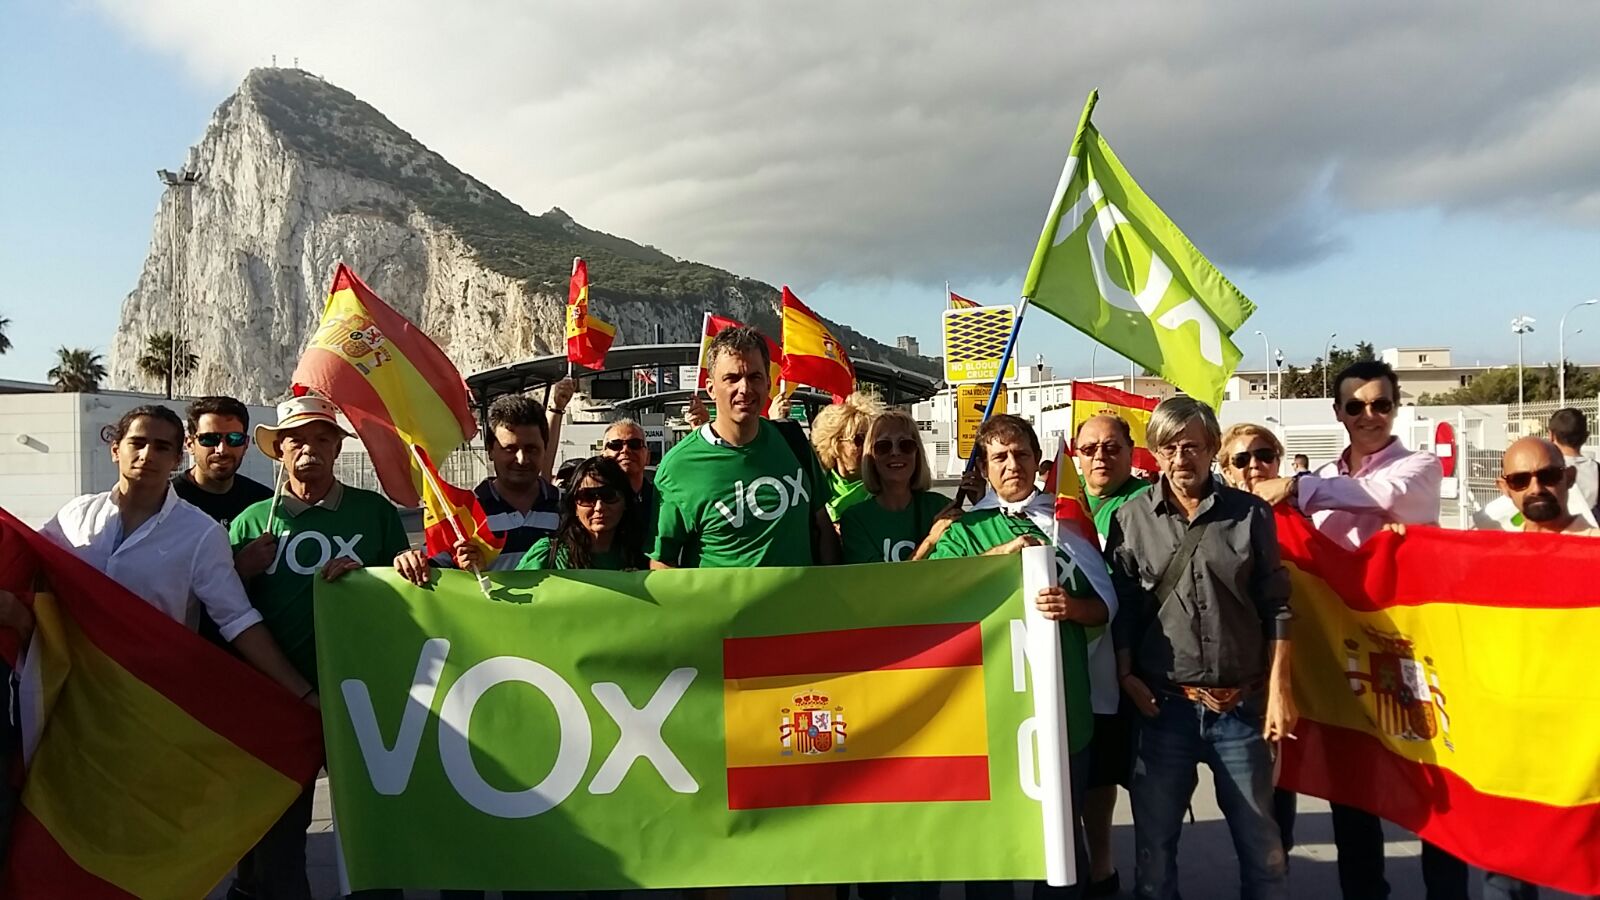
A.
x: 222, y: 507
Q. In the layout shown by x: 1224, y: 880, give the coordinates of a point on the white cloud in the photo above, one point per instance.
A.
x: 919, y: 141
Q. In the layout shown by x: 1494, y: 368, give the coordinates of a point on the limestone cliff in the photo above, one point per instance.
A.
x: 297, y: 175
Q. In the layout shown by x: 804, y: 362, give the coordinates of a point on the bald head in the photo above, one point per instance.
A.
x: 1106, y: 445
x: 1535, y: 475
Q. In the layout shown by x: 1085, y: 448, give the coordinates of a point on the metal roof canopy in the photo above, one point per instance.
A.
x: 899, y: 386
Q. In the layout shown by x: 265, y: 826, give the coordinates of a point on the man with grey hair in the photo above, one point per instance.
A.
x: 625, y: 442
x: 1202, y: 640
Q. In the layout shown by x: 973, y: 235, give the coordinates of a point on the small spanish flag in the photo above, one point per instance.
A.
x: 865, y: 715
x: 443, y: 501
x: 959, y: 302
x: 588, y: 336
x: 1072, y: 506
x: 810, y: 353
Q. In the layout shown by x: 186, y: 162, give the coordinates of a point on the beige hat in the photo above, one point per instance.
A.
x: 293, y: 413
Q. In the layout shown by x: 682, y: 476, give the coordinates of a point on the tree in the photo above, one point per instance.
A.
x: 166, y: 359
x: 77, y: 371
x: 1306, y: 383
x: 5, y: 342
x: 1500, y: 386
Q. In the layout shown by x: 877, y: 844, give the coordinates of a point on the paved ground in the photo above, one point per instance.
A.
x: 1207, y: 862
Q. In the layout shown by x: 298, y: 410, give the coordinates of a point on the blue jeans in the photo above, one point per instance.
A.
x: 1171, y: 747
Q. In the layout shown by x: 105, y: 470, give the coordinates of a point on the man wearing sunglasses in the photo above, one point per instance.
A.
x: 1536, y: 477
x: 625, y: 443
x: 219, y: 435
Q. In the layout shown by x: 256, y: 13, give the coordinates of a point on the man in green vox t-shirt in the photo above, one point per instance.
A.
x: 736, y: 492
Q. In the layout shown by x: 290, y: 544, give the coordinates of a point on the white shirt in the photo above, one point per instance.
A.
x: 177, y: 561
x: 1587, y: 484
x: 1393, y: 485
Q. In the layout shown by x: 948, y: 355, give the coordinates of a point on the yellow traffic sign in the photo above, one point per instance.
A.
x: 970, y: 401
x: 974, y: 341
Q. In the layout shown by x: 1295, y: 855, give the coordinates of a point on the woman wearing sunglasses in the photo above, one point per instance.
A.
x: 602, y: 525
x: 839, y: 434
x: 1250, y: 454
x: 901, y: 514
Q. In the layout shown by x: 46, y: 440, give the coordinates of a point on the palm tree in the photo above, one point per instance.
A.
x: 77, y: 371
x: 166, y: 359
x: 5, y: 342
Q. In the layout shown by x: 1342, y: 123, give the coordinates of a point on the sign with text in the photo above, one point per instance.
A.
x: 970, y: 401
x: 974, y: 341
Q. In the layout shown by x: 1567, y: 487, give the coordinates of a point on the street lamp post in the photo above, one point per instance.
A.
x: 1561, y: 340
x: 1280, y: 388
x: 1266, y: 362
x: 1520, y: 326
x: 1327, y: 351
x: 183, y: 178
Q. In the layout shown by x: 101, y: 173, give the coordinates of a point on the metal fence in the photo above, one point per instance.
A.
x: 465, y: 468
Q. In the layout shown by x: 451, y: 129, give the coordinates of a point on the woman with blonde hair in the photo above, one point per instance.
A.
x: 839, y: 433
x: 901, y: 519
x: 1250, y: 453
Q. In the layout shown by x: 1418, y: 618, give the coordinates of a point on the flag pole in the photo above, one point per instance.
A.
x: 455, y: 524
x: 277, y: 489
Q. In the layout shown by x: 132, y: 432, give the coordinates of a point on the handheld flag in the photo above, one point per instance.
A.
x: 394, y: 384
x: 449, y: 502
x: 588, y: 336
x: 1090, y: 400
x: 1073, y: 520
x: 1111, y: 264
x: 959, y: 302
x: 154, y: 758
x: 714, y: 326
x: 810, y: 354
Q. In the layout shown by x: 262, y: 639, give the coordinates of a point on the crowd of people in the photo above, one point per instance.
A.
x: 1186, y: 662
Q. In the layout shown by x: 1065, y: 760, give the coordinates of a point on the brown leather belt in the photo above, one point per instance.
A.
x: 1218, y: 700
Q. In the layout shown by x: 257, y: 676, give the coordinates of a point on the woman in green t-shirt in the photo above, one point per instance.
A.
x: 839, y: 434
x: 901, y: 519
x: 602, y: 524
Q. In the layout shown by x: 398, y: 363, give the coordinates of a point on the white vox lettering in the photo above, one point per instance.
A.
x: 455, y: 747
x: 641, y: 734
x: 897, y: 551
x: 753, y: 498
x: 797, y: 488
x: 736, y: 518
x: 1019, y: 656
x: 1027, y: 759
x: 289, y: 552
x: 790, y: 492
x: 390, y: 768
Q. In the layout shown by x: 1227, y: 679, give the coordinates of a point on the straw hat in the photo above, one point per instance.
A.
x: 293, y: 413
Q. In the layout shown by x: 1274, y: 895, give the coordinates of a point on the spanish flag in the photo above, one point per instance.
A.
x: 394, y: 384
x: 154, y: 760
x: 588, y: 336
x: 714, y: 326
x: 959, y: 302
x: 867, y: 715
x: 1072, y: 506
x: 1090, y: 400
x: 1445, y: 683
x: 810, y: 354
x: 442, y: 502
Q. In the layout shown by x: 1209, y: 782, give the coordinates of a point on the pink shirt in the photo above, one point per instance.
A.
x: 1394, y: 485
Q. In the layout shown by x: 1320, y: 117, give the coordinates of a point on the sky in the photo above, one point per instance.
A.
x: 1406, y: 174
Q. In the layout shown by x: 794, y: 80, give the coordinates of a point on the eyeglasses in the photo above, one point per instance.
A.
x: 1550, y: 476
x: 589, y: 496
x: 617, y: 446
x: 213, y: 438
x: 1380, y: 407
x: 1104, y: 448
x: 885, y: 447
x: 1260, y: 455
x: 1185, y: 449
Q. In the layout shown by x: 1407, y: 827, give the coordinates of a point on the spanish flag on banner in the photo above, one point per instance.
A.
x: 588, y: 336
x: 810, y: 354
x: 154, y: 760
x: 1445, y: 683
x: 1090, y: 400
x: 714, y: 326
x: 394, y: 384
x: 868, y: 715
x: 442, y: 502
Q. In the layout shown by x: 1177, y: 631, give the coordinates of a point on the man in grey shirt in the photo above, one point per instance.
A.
x: 1569, y: 430
x: 1202, y: 639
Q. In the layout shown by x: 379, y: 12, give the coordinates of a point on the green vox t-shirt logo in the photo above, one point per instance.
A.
x: 766, y: 498
x: 309, y: 560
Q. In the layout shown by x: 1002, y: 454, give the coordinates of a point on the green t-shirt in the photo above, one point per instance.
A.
x: 843, y: 493
x: 727, y: 507
x: 872, y: 534
x: 980, y: 530
x: 1104, y: 508
x: 359, y: 524
x: 538, y: 557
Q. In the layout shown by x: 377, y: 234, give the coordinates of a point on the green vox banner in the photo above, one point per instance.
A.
x: 1111, y: 264
x: 688, y: 728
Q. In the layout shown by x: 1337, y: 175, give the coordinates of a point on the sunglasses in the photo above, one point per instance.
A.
x: 1104, y: 448
x: 589, y: 496
x: 214, y: 438
x: 1260, y: 455
x: 1380, y: 407
x: 619, y: 444
x: 859, y: 440
x: 1550, y: 476
x: 886, y: 446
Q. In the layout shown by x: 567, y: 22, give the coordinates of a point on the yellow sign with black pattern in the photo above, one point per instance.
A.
x: 974, y: 341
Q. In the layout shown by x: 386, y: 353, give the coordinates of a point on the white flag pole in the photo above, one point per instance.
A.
x: 455, y: 524
x: 1050, y: 715
x: 277, y: 490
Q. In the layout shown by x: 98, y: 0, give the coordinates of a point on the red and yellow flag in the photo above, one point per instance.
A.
x: 714, y: 326
x: 959, y: 302
x: 810, y: 354
x: 1072, y: 505
x: 1445, y: 684
x: 154, y: 759
x: 866, y: 715
x: 588, y: 336
x: 443, y: 502
x: 1090, y: 400
x: 394, y: 384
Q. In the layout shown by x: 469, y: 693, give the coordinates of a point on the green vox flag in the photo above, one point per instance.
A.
x: 1111, y: 264
x: 593, y: 730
